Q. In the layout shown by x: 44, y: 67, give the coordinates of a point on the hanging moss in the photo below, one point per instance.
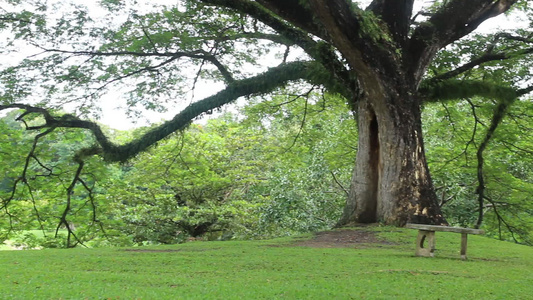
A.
x: 459, y: 89
x: 260, y: 84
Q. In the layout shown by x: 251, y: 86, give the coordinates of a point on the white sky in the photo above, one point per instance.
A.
x: 113, y: 112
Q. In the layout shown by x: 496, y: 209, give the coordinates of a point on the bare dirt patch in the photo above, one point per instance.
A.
x: 340, y: 238
x: 344, y: 238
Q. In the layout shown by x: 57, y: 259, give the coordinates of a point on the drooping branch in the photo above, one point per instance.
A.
x: 497, y: 117
x: 63, y: 219
x: 23, y: 178
x: 501, y: 219
x: 505, y: 96
x: 305, y: 96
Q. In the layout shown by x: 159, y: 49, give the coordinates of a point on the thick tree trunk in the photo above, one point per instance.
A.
x: 391, y: 181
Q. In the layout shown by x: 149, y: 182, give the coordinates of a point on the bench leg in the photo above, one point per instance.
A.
x: 424, y: 235
x: 464, y: 242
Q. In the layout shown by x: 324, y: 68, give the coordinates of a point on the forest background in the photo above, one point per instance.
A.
x: 278, y: 166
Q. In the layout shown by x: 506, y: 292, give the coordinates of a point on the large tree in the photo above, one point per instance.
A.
x: 377, y: 58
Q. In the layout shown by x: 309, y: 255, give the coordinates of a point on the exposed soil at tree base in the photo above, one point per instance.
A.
x: 341, y: 238
x: 344, y: 238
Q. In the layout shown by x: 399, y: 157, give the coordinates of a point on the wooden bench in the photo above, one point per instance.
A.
x: 427, y: 232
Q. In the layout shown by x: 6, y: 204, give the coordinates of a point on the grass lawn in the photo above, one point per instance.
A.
x: 274, y: 269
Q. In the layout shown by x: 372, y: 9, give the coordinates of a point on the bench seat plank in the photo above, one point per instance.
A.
x: 444, y: 228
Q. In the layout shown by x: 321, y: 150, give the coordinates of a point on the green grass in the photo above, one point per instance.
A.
x: 273, y: 269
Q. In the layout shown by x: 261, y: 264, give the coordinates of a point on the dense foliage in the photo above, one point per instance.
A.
x: 453, y: 151
x: 277, y: 168
x: 268, y: 173
x: 282, y: 163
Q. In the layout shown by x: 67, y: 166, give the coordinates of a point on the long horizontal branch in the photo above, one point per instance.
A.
x: 453, y: 20
x: 479, y: 61
x: 13, y: 19
x: 262, y: 83
x: 524, y: 91
x: 191, y: 54
x: 460, y: 89
x: 197, y: 54
x: 276, y: 38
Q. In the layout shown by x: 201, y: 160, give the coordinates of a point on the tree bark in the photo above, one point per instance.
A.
x: 391, y: 181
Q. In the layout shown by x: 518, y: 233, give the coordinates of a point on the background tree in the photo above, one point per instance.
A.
x: 268, y: 174
x: 456, y: 133
x: 379, y: 59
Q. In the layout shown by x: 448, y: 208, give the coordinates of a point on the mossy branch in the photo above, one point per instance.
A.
x: 460, y: 89
x: 260, y: 84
